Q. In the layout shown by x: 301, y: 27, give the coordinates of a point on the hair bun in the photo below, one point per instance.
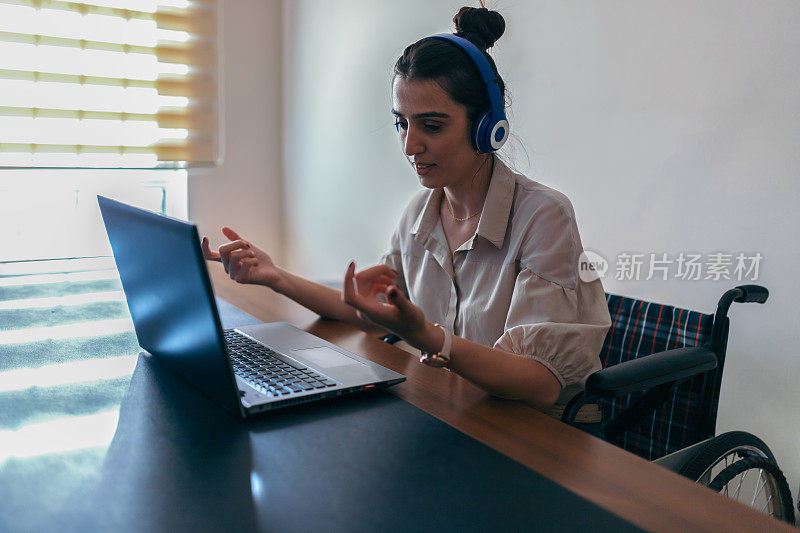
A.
x: 479, y: 25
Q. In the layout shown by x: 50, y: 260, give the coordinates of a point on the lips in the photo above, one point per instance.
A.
x: 423, y: 168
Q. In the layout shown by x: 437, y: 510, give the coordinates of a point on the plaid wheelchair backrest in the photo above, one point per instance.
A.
x: 639, y: 329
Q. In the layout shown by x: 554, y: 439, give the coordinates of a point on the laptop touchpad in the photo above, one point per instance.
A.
x: 324, y: 357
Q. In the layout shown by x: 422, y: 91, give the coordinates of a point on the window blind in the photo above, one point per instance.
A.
x: 108, y: 83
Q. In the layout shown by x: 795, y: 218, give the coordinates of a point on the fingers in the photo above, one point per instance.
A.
x: 374, y: 280
x: 208, y: 253
x: 235, y: 260
x: 226, y: 250
x: 237, y: 257
x: 378, y: 288
x: 242, y: 272
x: 379, y: 271
x: 384, y: 280
x: 396, y: 296
x: 349, y: 288
x: 406, y: 309
x: 229, y: 233
x: 367, y: 308
x: 372, y: 288
x: 364, y: 279
x: 351, y: 295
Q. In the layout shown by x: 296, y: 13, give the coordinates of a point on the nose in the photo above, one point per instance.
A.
x: 412, y: 143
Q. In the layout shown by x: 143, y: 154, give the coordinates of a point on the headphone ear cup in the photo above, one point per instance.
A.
x: 479, y: 133
x: 489, y: 135
x: 497, y: 135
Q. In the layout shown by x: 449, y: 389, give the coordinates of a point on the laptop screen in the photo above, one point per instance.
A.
x: 170, y: 298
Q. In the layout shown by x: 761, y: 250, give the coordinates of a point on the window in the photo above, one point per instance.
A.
x: 108, y: 83
x: 48, y: 214
x: 111, y: 97
x: 88, y: 89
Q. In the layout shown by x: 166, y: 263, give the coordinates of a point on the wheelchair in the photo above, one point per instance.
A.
x: 659, y: 393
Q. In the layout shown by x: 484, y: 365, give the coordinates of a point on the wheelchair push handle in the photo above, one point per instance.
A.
x: 752, y: 293
x: 740, y: 294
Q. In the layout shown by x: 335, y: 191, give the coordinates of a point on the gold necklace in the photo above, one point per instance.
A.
x: 447, y: 203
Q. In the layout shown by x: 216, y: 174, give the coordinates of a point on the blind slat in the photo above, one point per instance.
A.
x: 194, y: 119
x: 195, y: 53
x: 194, y: 87
x: 178, y: 151
x: 199, y: 19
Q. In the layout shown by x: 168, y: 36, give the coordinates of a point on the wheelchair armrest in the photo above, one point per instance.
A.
x: 647, y: 372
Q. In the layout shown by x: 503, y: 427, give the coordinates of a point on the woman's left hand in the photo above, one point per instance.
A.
x: 397, y: 314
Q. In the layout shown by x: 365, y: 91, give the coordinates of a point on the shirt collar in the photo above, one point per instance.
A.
x: 427, y: 218
x: 497, y: 208
x: 494, y: 218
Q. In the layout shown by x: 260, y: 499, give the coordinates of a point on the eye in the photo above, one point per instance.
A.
x: 400, y: 124
x: 433, y: 127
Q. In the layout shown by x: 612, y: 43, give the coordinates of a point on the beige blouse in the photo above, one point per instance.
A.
x: 514, y: 285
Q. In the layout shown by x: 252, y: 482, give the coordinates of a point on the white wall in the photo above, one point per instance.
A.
x: 671, y: 126
x: 245, y: 191
x: 346, y: 179
x: 676, y: 127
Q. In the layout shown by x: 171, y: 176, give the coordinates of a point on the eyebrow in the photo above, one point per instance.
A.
x: 429, y: 114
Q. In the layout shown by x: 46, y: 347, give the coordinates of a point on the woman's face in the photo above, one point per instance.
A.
x: 434, y: 132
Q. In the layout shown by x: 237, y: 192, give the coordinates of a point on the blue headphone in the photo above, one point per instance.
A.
x: 490, y: 130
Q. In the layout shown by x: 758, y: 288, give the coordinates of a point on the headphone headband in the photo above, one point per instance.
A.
x: 491, y: 129
x: 485, y: 69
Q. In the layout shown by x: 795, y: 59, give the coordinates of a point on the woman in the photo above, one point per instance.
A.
x: 489, y: 254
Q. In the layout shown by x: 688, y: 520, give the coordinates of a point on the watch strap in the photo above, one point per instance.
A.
x: 442, y: 358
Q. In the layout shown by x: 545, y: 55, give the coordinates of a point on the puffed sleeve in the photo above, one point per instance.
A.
x: 561, y: 328
x: 555, y: 316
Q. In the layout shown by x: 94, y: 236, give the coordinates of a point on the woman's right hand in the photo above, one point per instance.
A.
x: 243, y: 262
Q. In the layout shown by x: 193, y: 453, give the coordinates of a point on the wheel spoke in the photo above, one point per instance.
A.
x: 739, y: 487
x: 767, y: 503
x: 760, y: 471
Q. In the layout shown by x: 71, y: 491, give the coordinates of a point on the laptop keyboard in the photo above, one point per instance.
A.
x: 273, y: 377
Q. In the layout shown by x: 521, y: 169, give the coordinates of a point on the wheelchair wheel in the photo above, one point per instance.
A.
x: 760, y: 478
x: 738, y: 463
x: 720, y: 452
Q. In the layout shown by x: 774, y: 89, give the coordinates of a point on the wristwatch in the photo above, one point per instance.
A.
x: 442, y: 358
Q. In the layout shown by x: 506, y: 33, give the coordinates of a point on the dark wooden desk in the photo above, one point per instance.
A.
x: 636, y: 490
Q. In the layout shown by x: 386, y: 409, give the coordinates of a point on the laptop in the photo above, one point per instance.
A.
x: 245, y: 370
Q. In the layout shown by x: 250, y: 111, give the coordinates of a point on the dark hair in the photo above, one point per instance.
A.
x: 449, y: 66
